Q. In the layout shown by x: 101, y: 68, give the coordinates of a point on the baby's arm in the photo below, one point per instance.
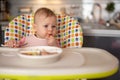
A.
x: 22, y: 42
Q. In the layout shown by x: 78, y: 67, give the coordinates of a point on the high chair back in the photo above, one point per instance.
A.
x: 69, y: 32
x: 20, y: 26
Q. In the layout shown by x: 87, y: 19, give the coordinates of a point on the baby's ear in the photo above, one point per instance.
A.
x: 34, y: 26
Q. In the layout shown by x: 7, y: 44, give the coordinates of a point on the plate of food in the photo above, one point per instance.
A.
x: 42, y: 53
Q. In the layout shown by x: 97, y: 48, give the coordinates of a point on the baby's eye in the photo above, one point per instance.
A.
x: 53, y: 26
x: 45, y: 26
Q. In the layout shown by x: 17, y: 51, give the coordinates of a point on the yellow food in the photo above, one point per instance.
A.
x: 36, y: 53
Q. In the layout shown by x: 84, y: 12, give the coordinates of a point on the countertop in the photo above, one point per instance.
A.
x: 95, y: 29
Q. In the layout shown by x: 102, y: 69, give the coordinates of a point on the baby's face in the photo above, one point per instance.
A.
x: 46, y: 26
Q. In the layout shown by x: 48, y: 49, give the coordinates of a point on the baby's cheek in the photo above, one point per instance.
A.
x: 54, y: 33
x: 43, y: 34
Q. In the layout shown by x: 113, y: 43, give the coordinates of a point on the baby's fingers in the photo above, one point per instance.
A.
x: 48, y: 36
x: 11, y: 43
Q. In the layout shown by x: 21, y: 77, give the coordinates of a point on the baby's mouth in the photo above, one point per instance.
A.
x: 50, y: 35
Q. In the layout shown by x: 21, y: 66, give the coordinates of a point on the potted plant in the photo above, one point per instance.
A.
x: 110, y: 8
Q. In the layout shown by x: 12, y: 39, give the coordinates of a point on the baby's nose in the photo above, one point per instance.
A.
x: 49, y: 28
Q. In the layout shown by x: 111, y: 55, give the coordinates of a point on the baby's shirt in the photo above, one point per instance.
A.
x: 32, y: 40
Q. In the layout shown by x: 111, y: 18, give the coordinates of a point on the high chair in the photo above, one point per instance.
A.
x: 69, y: 32
x: 76, y: 62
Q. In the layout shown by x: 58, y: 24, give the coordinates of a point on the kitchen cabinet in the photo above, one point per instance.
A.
x: 4, y: 10
x: 3, y: 25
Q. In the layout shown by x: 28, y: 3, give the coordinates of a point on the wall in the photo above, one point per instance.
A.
x: 55, y: 5
x: 82, y: 8
x: 88, y: 8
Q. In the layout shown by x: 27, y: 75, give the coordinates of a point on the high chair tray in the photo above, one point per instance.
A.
x: 83, y: 62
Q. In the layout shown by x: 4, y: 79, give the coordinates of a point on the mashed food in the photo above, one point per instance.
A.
x: 36, y: 53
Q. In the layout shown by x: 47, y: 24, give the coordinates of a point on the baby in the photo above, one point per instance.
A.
x: 45, y: 22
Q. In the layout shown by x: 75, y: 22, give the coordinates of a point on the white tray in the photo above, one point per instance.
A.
x: 73, y: 61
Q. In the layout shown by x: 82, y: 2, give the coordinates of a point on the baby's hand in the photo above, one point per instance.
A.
x: 15, y: 44
x: 12, y: 44
x: 51, y: 40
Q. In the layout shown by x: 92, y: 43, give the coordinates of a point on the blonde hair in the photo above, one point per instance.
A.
x: 43, y: 11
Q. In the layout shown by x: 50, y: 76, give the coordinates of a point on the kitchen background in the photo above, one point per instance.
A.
x: 100, y: 20
x: 83, y: 9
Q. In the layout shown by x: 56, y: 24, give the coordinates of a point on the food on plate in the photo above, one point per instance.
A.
x: 37, y: 52
x: 32, y: 53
